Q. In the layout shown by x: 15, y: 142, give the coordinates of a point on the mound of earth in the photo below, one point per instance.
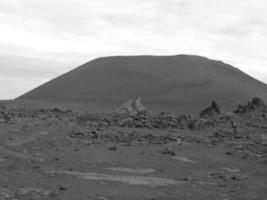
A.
x: 177, y: 84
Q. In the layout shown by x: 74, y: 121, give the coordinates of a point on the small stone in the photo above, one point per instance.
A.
x: 167, y: 151
x: 187, y: 179
x: 62, y: 188
x: 236, y: 178
x: 113, y: 148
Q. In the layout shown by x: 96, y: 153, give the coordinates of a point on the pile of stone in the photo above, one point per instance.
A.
x: 256, y: 105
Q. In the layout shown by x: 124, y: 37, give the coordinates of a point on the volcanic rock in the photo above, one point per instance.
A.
x: 132, y: 107
x: 213, y: 110
x: 256, y: 105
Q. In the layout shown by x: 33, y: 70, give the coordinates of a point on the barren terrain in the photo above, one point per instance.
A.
x: 52, y: 153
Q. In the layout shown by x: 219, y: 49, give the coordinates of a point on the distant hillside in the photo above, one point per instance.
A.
x: 182, y: 83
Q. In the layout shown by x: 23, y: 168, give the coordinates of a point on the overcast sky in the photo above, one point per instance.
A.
x: 41, y: 39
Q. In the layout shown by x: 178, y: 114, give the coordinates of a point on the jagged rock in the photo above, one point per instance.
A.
x: 132, y: 107
x: 256, y: 105
x: 213, y: 110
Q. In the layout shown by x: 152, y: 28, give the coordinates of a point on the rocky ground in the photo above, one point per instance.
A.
x: 49, y: 153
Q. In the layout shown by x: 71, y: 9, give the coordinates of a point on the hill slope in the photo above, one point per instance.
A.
x: 180, y: 83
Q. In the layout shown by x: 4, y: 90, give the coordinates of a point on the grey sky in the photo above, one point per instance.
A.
x: 41, y: 39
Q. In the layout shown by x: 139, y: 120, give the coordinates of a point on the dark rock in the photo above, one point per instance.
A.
x: 229, y: 153
x: 213, y: 110
x: 187, y: 179
x: 167, y: 151
x: 256, y: 105
x: 62, y: 188
x: 80, y: 135
x: 113, y: 148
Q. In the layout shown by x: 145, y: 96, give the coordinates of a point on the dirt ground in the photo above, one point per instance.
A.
x: 64, y: 155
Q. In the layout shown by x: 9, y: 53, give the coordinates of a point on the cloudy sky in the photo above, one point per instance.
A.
x: 41, y: 39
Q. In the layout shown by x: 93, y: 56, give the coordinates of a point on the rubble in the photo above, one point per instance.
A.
x: 126, y: 137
